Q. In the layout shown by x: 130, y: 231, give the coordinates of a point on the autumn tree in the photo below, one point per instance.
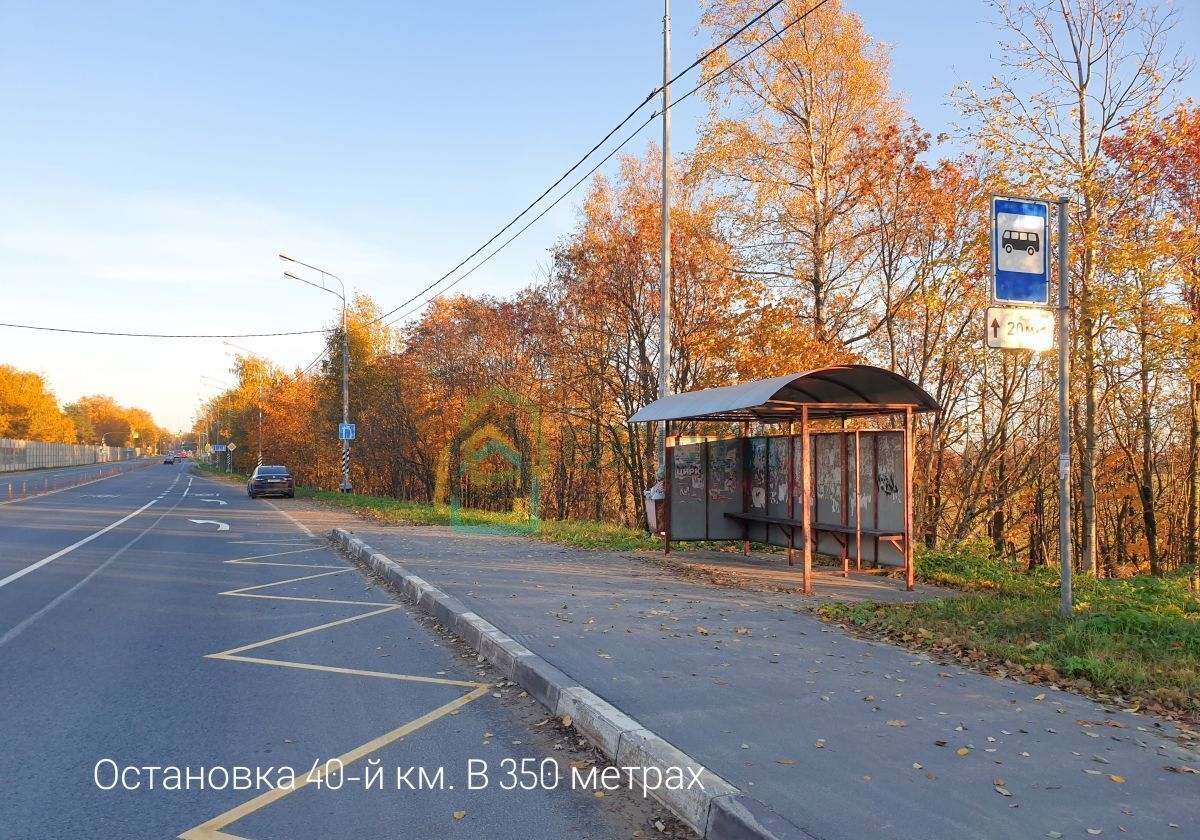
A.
x: 809, y: 146
x: 1073, y: 73
x: 29, y: 410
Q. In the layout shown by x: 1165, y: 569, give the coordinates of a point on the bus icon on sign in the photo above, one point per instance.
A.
x: 1022, y: 240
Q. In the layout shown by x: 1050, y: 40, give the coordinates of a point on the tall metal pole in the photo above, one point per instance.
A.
x: 345, y: 488
x: 345, y: 485
x: 664, y: 358
x: 1064, y: 438
x: 260, y: 423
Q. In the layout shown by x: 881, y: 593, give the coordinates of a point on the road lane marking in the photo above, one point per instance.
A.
x: 62, y: 489
x: 20, y: 573
x: 334, y: 669
x: 261, y: 560
x: 215, y: 501
x: 221, y: 526
x: 28, y: 622
x: 211, y: 830
x: 295, y: 521
x: 340, y: 571
x: 307, y: 630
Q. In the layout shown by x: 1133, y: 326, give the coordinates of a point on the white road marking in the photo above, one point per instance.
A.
x: 295, y: 521
x: 221, y: 526
x: 34, y: 566
x: 215, y: 501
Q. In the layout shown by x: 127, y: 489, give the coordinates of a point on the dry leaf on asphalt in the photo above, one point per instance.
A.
x: 701, y: 630
x: 897, y: 723
x: 787, y: 762
x: 1183, y: 769
x: 1002, y: 791
x: 1118, y: 779
x: 963, y: 751
x: 458, y: 815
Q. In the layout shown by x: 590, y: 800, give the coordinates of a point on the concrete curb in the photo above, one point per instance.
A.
x: 719, y: 812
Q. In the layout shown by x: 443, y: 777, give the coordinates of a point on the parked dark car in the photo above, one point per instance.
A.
x: 271, y: 481
x: 170, y: 459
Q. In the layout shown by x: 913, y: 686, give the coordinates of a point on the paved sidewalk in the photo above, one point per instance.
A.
x: 844, y: 738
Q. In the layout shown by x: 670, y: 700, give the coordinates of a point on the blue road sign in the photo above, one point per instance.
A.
x: 345, y: 431
x: 219, y: 447
x: 1020, y: 246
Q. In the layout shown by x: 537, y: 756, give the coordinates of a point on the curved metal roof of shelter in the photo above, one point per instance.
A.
x: 839, y: 391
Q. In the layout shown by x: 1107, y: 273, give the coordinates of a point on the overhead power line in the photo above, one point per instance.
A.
x: 624, y: 121
x: 156, y: 335
x: 603, y: 160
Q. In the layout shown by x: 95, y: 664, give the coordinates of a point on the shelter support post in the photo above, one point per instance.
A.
x: 791, y: 493
x: 909, y: 570
x: 806, y: 489
x: 747, y: 467
x: 669, y: 458
x: 857, y: 506
x: 845, y: 538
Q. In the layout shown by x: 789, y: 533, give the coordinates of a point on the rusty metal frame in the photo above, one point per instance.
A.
x: 786, y: 412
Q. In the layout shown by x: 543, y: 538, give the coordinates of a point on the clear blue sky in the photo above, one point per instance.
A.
x: 155, y: 157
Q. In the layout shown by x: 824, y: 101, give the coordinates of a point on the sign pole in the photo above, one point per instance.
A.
x: 1064, y: 437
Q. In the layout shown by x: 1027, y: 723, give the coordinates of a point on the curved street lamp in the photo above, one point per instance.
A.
x: 345, y: 485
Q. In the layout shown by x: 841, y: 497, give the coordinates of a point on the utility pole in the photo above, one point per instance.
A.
x: 1064, y: 390
x: 664, y: 356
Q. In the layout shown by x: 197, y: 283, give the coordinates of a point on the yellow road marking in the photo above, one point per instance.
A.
x: 276, y: 554
x: 310, y: 600
x: 304, y: 666
x: 293, y: 635
x: 340, y: 571
x: 211, y: 829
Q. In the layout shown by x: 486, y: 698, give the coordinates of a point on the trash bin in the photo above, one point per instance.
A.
x: 655, y: 499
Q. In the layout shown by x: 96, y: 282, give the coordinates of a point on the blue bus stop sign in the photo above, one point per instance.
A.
x: 1020, y: 246
x: 345, y: 431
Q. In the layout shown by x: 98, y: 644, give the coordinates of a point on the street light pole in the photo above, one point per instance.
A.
x: 345, y: 485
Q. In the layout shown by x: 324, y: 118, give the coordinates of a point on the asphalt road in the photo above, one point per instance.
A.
x: 137, y: 632
x: 15, y: 487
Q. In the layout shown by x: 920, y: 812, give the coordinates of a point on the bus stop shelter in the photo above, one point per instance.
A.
x: 840, y: 491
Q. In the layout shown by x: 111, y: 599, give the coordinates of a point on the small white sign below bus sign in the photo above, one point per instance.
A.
x: 1020, y: 328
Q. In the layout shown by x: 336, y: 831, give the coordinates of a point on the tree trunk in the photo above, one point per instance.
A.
x: 1192, y: 554
x: 1146, y: 484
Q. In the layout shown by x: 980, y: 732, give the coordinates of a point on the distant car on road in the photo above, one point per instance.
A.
x: 271, y: 481
x: 170, y: 459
